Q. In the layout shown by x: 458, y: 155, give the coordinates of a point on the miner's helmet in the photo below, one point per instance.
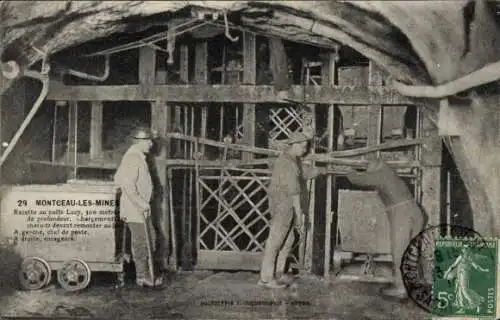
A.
x: 143, y: 133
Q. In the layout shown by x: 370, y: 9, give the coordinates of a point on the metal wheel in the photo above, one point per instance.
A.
x: 34, y: 273
x: 74, y: 275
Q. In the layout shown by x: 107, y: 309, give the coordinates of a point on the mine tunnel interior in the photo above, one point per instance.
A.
x: 48, y: 136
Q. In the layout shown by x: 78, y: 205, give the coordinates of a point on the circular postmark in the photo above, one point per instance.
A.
x: 429, y: 256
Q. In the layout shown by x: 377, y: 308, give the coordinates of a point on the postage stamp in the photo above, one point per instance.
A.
x: 418, y: 264
x: 465, y: 278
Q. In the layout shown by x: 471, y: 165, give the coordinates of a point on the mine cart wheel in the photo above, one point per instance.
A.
x: 34, y: 273
x: 74, y: 275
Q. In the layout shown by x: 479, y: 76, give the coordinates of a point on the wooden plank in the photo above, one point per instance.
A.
x: 249, y: 77
x: 96, y: 123
x: 230, y: 93
x: 402, y: 169
x: 229, y: 260
x: 324, y: 157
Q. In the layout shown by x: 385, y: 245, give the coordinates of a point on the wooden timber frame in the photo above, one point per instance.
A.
x: 169, y: 102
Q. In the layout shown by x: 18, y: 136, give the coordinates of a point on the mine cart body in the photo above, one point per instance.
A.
x: 62, y: 239
x: 363, y: 229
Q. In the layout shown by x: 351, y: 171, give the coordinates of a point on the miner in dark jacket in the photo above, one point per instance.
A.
x: 288, y: 199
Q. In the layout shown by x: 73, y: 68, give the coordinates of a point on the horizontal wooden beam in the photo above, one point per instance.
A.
x: 230, y: 93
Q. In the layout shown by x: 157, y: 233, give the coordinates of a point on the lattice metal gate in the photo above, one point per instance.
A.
x: 233, y: 218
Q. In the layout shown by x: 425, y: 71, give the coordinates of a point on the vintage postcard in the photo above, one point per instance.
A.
x: 249, y: 159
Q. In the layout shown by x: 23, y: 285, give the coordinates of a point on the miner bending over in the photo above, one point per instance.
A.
x: 406, y: 219
x: 288, y: 200
x: 134, y: 180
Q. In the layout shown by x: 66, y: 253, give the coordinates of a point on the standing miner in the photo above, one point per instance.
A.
x: 406, y: 219
x: 134, y: 180
x: 288, y: 203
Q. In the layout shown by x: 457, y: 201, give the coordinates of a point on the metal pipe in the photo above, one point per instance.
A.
x: 87, y: 76
x: 488, y: 73
x: 44, y: 78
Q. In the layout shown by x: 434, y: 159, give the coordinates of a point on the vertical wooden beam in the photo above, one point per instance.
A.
x: 201, y: 77
x: 328, y: 77
x: 430, y: 156
x: 186, y: 227
x: 249, y: 77
x: 375, y: 118
x: 160, y: 124
x: 184, y: 63
x: 313, y: 217
x: 96, y: 122
x: 147, y: 69
x: 147, y: 79
x: 72, y: 138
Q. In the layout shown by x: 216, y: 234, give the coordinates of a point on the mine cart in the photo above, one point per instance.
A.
x: 363, y: 230
x: 67, y: 228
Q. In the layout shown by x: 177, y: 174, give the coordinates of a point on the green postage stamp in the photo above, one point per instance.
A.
x: 465, y: 282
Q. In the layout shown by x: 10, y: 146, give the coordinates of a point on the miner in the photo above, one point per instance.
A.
x: 288, y: 203
x: 406, y: 219
x: 135, y: 183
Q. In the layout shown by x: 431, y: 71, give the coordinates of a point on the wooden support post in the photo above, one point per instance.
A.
x: 312, y: 205
x: 161, y: 218
x: 430, y: 156
x: 328, y: 77
x: 249, y: 77
x: 160, y: 123
x: 201, y: 77
x: 96, y: 120
x: 72, y: 139
x: 187, y: 213
x: 376, y: 113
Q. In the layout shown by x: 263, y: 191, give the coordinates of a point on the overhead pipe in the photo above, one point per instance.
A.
x: 42, y: 76
x: 488, y: 73
x: 87, y: 76
x: 227, y: 33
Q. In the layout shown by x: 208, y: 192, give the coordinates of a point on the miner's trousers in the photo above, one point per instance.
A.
x: 279, y: 243
x: 141, y: 244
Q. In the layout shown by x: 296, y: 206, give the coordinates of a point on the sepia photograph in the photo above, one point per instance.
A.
x: 250, y: 160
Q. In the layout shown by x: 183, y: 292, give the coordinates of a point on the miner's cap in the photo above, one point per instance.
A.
x: 143, y: 133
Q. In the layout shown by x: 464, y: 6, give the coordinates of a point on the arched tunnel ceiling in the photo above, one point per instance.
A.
x: 416, y: 41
